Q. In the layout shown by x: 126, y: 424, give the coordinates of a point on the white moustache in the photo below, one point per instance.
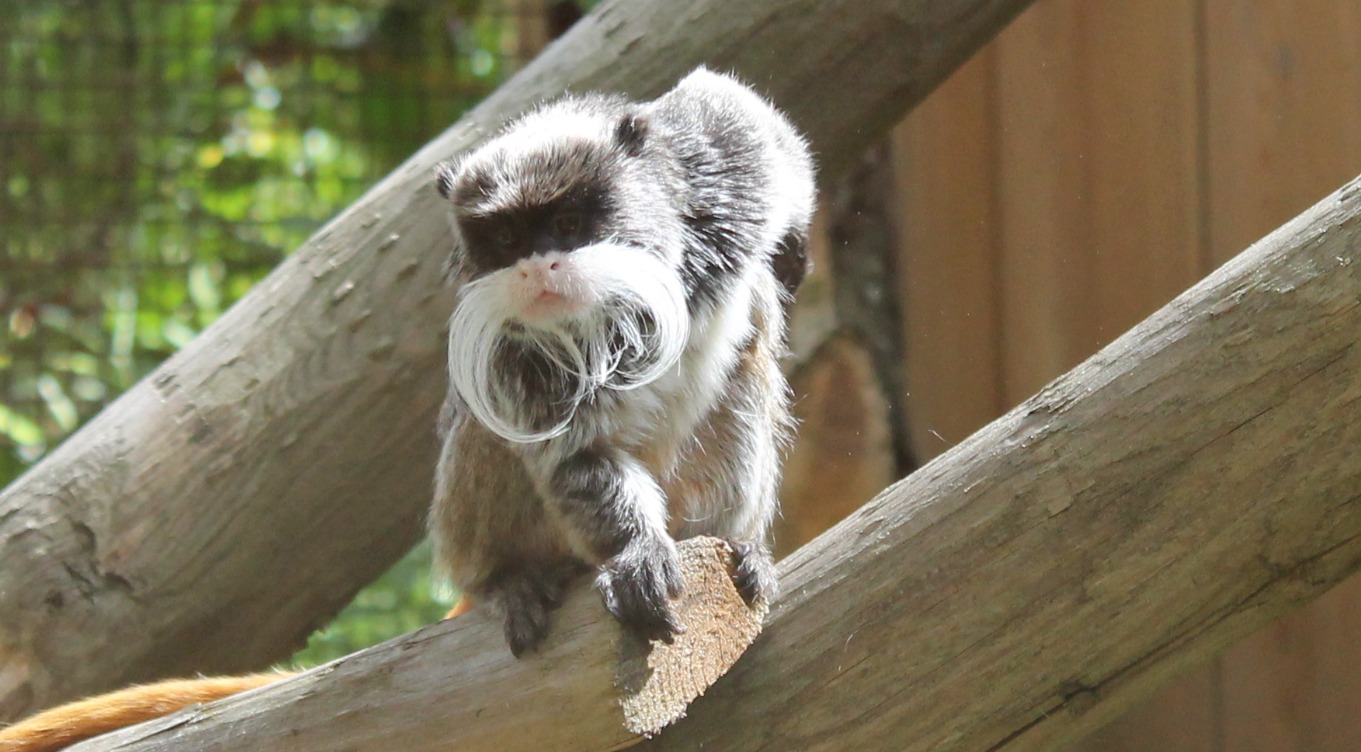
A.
x: 601, y: 344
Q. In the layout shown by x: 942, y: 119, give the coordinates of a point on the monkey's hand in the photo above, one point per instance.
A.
x: 638, y: 585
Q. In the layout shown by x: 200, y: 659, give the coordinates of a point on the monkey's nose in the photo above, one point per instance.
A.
x: 541, y: 269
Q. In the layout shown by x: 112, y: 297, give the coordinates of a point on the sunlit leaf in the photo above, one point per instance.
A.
x: 177, y: 333
x: 205, y: 286
x: 61, y: 408
x: 19, y: 429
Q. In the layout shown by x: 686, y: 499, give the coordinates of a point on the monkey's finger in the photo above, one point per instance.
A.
x: 638, y: 600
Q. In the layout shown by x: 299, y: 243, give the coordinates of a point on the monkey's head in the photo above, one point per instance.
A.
x: 568, y: 249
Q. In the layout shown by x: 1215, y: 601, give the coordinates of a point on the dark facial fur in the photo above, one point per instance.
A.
x: 613, y: 358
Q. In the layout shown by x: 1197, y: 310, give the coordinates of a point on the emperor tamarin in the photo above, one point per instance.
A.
x: 614, y: 387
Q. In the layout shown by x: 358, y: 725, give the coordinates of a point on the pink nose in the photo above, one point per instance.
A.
x: 541, y: 269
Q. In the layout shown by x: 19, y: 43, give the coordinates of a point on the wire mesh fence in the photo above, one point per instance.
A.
x: 157, y: 158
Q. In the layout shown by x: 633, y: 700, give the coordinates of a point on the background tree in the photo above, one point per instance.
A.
x: 158, y: 159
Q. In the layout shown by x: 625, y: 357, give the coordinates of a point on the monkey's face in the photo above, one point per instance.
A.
x: 565, y: 293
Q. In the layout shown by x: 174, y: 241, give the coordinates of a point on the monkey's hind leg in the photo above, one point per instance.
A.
x: 524, y: 595
x: 754, y: 574
x: 492, y: 537
x: 733, y: 494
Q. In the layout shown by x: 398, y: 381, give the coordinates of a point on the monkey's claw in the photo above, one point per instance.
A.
x: 755, y: 572
x: 525, y: 600
x: 638, y: 586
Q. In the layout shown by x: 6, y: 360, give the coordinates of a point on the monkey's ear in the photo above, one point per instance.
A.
x: 631, y: 133
x: 453, y: 268
x: 444, y: 178
x: 791, y: 262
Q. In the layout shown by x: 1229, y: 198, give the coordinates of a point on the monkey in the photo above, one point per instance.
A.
x: 614, y: 352
x: 624, y: 273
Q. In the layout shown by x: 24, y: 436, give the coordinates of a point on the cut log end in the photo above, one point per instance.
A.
x: 656, y: 685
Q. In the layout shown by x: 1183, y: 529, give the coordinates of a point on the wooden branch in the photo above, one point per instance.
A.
x: 1192, y: 481
x: 223, y: 508
x: 455, y: 686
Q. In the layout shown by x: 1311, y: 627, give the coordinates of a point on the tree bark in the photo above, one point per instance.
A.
x: 1180, y: 489
x: 454, y: 685
x: 1184, y: 486
x: 230, y: 503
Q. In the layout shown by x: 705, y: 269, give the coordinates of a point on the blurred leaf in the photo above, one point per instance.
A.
x: 157, y: 159
x: 205, y: 286
x: 58, y: 404
x: 19, y: 429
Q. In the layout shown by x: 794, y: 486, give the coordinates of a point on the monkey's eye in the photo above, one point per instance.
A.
x: 567, y: 223
x: 503, y: 237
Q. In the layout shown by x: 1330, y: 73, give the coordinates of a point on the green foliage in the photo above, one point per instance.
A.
x: 158, y: 158
x: 404, y: 599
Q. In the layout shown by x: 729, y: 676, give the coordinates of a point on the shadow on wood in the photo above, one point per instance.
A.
x: 454, y: 685
x: 223, y: 508
x: 1190, y: 482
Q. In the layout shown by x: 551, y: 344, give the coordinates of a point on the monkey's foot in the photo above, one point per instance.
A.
x: 755, y: 572
x: 638, y: 585
x: 525, y: 598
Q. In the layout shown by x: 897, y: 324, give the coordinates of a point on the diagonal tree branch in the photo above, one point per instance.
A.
x: 1187, y: 484
x: 220, y: 510
x: 455, y: 685
x: 1190, y: 482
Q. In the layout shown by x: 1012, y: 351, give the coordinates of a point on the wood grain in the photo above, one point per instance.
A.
x: 454, y: 685
x: 227, y: 505
x: 1283, y: 127
x: 1102, y: 182
x: 945, y: 176
x: 1175, y: 492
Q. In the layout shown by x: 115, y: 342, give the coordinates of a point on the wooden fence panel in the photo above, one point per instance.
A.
x: 1283, y: 129
x: 945, y: 175
x: 1100, y: 216
x: 1283, y: 100
x: 1098, y: 197
x: 1090, y: 164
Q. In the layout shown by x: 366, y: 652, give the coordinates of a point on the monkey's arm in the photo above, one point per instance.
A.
x: 615, y: 515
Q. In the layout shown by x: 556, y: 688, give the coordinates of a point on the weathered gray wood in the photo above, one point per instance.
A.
x: 1190, y: 482
x: 219, y: 511
x: 455, y: 686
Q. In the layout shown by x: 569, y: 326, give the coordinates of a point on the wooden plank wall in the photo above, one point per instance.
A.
x: 1094, y: 161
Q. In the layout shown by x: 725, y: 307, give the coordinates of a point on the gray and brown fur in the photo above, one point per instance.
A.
x: 716, y: 183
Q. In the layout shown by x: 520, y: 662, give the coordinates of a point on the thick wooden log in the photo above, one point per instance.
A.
x: 455, y: 686
x: 226, y: 506
x: 1187, y: 484
x: 1190, y: 482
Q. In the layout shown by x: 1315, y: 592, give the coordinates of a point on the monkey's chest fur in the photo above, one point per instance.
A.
x: 690, y: 429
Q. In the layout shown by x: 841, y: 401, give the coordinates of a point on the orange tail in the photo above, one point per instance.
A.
x: 464, y: 605
x: 65, y: 725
